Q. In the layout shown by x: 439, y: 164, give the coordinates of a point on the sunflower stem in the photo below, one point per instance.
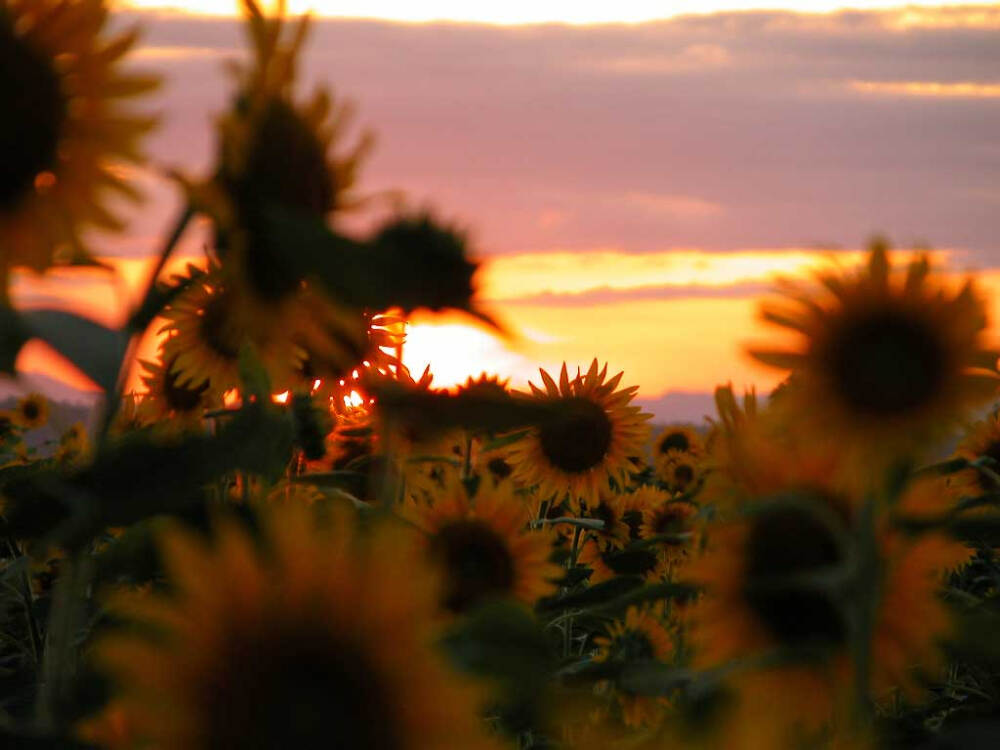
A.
x: 864, y: 607
x: 135, y: 330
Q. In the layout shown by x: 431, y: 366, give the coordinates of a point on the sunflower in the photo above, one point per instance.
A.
x: 322, y: 641
x: 32, y: 411
x: 63, y: 128
x: 743, y: 612
x: 275, y: 151
x: 886, y: 363
x: 678, y: 470
x: 640, y: 637
x: 168, y: 398
x: 611, y: 511
x: 677, y: 438
x: 73, y: 444
x: 483, y: 547
x: 982, y: 440
x: 589, y: 442
x: 671, y: 517
x: 760, y: 576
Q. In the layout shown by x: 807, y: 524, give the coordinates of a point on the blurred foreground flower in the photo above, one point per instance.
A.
x: 886, y: 363
x: 62, y: 129
x: 323, y: 639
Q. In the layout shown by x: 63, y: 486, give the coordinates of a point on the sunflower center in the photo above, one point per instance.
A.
x: 674, y: 441
x: 298, y: 689
x: 683, y: 474
x: 578, y: 437
x: 886, y: 363
x: 499, y: 468
x: 180, y: 398
x: 477, y: 560
x: 604, y: 512
x: 30, y: 410
x: 785, y: 542
x: 34, y: 114
x: 286, y: 166
x: 671, y: 519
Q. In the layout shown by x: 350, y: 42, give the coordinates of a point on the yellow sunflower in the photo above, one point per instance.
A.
x: 325, y: 640
x: 483, y: 547
x: 610, y: 510
x: 592, y: 440
x: 32, y: 411
x: 678, y: 437
x: 639, y: 637
x: 167, y: 398
x: 63, y: 128
x: 73, y: 444
x: 886, y: 361
x: 678, y: 470
x: 671, y: 517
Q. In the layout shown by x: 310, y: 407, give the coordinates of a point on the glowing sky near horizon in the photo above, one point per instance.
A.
x: 523, y: 11
x: 633, y: 190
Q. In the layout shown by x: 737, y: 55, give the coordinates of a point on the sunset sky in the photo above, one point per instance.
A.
x: 633, y: 188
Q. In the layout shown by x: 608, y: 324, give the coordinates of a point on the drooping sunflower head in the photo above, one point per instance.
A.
x: 483, y: 548
x: 275, y: 152
x: 887, y: 361
x: 63, y: 128
x: 588, y: 442
x: 32, y: 411
x: 639, y: 637
x: 321, y: 639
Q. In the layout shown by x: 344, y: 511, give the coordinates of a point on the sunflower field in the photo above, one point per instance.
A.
x: 289, y: 540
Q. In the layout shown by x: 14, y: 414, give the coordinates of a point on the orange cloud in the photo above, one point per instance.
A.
x: 932, y: 89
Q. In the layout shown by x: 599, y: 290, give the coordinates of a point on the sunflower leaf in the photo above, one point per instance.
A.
x: 599, y: 593
x: 432, y: 412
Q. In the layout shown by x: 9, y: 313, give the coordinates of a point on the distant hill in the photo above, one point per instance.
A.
x: 679, y: 406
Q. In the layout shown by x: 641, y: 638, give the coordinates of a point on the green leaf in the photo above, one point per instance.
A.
x: 430, y: 412
x: 254, y: 378
x: 653, y: 678
x: 501, y: 641
x: 97, y: 351
x: 141, y: 476
x: 599, y: 593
